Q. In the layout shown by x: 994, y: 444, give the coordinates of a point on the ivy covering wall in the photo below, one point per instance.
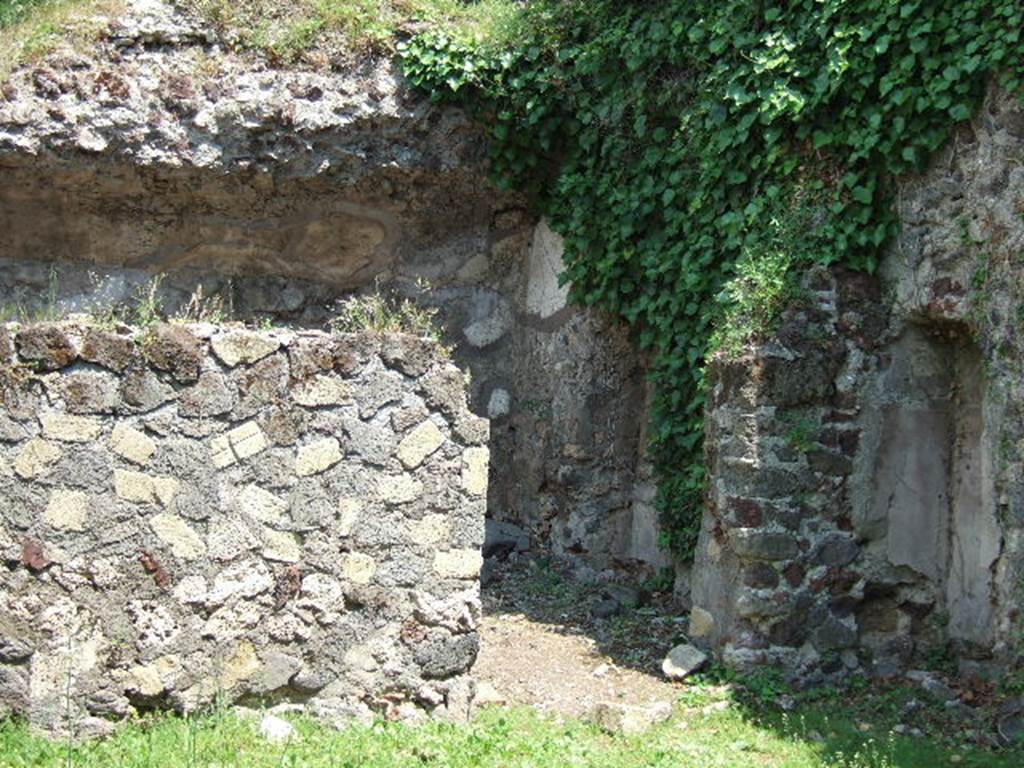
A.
x: 696, y: 153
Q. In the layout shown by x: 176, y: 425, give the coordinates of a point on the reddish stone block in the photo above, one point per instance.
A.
x: 746, y: 513
x: 794, y: 574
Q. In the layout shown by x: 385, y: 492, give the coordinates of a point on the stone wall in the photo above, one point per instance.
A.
x: 160, y: 151
x: 194, y: 511
x: 866, y: 507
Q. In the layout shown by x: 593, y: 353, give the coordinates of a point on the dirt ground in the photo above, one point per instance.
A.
x: 544, y: 645
x: 541, y: 644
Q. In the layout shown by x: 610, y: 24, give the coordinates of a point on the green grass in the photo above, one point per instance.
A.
x: 811, y: 737
x: 312, y: 32
x: 29, y: 29
x: 336, y: 31
x: 386, y: 313
x: 14, y: 11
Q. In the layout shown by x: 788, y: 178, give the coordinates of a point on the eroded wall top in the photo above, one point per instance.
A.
x: 157, y: 147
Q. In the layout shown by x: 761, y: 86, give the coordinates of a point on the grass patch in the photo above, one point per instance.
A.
x: 386, y: 313
x: 14, y: 11
x: 764, y: 281
x: 315, y: 32
x: 731, y: 737
x: 29, y: 29
x: 336, y: 31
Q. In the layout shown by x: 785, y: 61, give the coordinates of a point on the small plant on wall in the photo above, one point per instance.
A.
x: 384, y: 311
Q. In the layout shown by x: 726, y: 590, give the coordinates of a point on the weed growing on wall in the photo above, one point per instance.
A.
x: 385, y: 312
x: 695, y: 153
x: 801, y: 431
x: 48, y: 309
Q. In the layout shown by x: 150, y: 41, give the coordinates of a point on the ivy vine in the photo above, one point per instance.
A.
x: 671, y: 140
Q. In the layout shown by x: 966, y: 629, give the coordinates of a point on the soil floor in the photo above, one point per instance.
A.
x: 541, y: 644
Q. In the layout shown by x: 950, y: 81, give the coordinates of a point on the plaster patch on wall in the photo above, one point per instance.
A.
x: 544, y: 296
